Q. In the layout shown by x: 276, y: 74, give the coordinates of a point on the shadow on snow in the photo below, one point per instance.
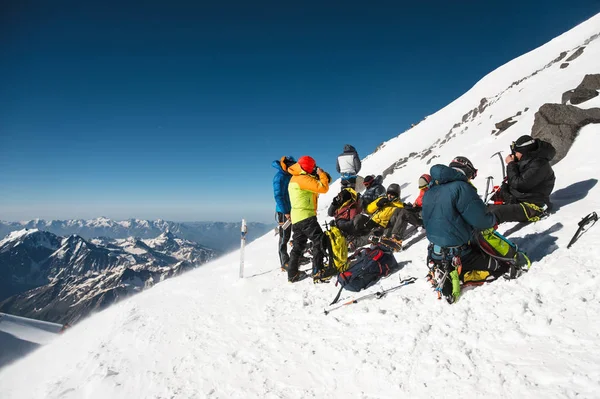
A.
x: 571, y: 194
x: 539, y: 245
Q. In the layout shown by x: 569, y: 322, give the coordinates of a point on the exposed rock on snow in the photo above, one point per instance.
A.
x: 587, y: 89
x: 559, y: 124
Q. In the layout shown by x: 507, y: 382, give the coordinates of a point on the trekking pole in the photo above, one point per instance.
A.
x: 244, y: 230
x: 378, y: 295
x: 592, y: 217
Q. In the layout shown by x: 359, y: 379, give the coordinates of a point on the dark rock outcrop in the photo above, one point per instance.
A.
x: 559, y: 124
x: 587, y: 89
x: 505, y: 124
x: 576, y: 54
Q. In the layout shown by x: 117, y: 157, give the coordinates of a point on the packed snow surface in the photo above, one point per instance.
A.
x: 210, y: 334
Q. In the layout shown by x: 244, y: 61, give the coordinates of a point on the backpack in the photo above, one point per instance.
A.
x: 367, y: 269
x: 349, y: 209
x: 496, y: 245
x: 336, y: 249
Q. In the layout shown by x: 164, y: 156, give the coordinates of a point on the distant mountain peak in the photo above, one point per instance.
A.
x: 17, y: 235
x: 167, y: 235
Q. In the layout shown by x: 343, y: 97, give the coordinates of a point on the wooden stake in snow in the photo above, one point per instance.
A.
x: 242, y: 246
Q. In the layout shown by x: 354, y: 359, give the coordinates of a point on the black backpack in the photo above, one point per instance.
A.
x: 370, y: 265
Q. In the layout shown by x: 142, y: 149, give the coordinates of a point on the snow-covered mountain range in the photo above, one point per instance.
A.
x: 212, y: 334
x: 62, y: 279
x: 220, y: 236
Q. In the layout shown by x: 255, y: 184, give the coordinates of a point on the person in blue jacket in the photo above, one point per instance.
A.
x: 453, y: 214
x: 283, y: 206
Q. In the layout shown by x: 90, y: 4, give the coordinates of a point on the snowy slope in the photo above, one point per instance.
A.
x: 210, y: 334
x: 19, y: 336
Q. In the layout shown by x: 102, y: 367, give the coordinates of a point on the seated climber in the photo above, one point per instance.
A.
x: 401, y: 218
x: 453, y: 214
x: 344, y: 208
x: 525, y: 195
x: 374, y: 190
x: 380, y: 211
x: 424, y: 181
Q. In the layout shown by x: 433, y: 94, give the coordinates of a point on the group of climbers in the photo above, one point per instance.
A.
x: 459, y: 225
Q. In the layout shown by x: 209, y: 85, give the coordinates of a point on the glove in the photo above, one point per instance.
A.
x: 382, y: 202
x: 408, y: 205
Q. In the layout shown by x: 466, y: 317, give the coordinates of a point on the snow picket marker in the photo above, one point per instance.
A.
x: 376, y: 295
x: 244, y: 230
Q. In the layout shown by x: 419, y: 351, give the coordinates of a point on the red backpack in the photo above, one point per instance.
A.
x: 349, y: 209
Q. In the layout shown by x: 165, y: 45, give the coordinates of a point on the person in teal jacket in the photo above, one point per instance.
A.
x: 452, y: 215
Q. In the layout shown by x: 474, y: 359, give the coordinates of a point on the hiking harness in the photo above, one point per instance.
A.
x: 592, y: 217
x: 376, y: 295
x: 446, y: 263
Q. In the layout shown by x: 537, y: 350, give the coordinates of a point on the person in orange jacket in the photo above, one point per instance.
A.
x: 307, y: 182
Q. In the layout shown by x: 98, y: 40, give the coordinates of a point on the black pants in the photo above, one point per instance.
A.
x: 346, y: 226
x: 307, y: 229
x: 363, y: 225
x: 284, y: 238
x: 479, y: 260
x: 513, y: 212
x: 400, y: 220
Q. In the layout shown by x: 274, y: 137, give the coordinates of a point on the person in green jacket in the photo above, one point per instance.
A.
x: 307, y: 182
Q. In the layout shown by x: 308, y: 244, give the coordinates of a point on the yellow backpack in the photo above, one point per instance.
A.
x: 336, y: 249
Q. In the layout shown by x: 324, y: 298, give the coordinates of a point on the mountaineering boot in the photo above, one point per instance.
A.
x: 522, y: 260
x: 284, y: 267
x: 323, y: 276
x: 298, y: 277
x: 396, y: 242
x: 351, y: 246
x: 519, y: 266
x: 393, y: 244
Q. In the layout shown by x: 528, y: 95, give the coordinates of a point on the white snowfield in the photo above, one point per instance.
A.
x: 19, y: 336
x: 209, y: 334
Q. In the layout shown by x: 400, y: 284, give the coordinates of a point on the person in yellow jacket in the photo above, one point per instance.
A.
x: 381, y: 210
x: 307, y: 182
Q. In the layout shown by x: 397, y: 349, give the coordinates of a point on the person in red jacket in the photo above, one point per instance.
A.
x: 424, y: 181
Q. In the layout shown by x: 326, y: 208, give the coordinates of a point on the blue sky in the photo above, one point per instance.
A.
x: 173, y: 110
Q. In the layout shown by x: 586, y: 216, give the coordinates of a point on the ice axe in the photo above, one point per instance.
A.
x: 487, y: 188
x: 282, y: 227
x: 499, y: 153
x: 592, y: 217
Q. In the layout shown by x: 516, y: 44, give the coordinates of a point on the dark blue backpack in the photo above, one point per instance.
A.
x: 367, y: 269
